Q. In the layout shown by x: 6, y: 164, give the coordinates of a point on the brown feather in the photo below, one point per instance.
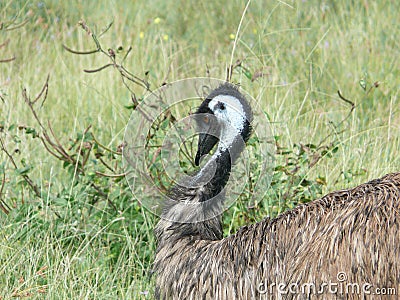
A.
x: 353, y: 232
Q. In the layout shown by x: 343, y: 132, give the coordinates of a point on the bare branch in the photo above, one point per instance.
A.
x: 335, y: 132
x: 105, y: 196
x: 126, y: 55
x: 105, y: 147
x: 99, y: 69
x: 106, y: 165
x: 111, y: 54
x: 3, y: 205
x: 79, y: 52
x: 87, y: 145
x: 50, y: 150
x: 57, y: 146
x: 351, y: 110
x: 52, y: 145
x: 82, y: 23
x: 106, y: 29
x: 7, y: 27
x: 27, y: 179
x: 44, y: 90
x: 346, y: 100
x: 6, y: 60
x: 374, y: 86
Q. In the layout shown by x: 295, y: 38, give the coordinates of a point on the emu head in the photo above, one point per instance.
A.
x: 225, y: 116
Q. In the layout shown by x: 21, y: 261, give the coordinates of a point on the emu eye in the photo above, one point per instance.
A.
x: 221, y: 105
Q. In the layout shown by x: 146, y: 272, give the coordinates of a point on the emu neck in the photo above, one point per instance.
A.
x: 215, y: 173
x: 193, y: 209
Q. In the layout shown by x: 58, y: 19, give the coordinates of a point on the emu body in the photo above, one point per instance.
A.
x: 350, y: 238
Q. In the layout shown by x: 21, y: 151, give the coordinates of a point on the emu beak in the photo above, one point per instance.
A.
x: 206, y: 143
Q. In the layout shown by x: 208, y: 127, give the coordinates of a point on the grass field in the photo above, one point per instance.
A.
x: 83, y: 236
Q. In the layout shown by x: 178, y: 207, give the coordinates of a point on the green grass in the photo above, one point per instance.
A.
x: 305, y: 50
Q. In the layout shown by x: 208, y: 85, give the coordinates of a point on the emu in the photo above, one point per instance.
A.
x: 344, y: 245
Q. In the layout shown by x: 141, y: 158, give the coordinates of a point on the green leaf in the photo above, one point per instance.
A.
x: 61, y: 202
x: 11, y: 127
x: 23, y: 171
x: 248, y: 74
x: 31, y: 131
x: 363, y: 84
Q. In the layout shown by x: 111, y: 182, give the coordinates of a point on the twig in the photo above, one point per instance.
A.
x: 58, y: 145
x: 106, y: 29
x: 98, y: 69
x: 353, y: 106
x: 346, y: 100
x: 125, y: 74
x: 85, y: 158
x: 106, y: 165
x: 126, y: 54
x: 105, y: 147
x: 104, y: 195
x: 3, y: 205
x: 27, y: 179
x: 52, y: 145
x: 45, y: 90
x: 79, y: 52
x: 49, y: 150
x: 375, y: 85
x: 7, y: 26
x: 6, y: 60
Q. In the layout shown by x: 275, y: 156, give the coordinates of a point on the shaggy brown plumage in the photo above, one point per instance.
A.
x: 344, y: 245
x: 351, y: 234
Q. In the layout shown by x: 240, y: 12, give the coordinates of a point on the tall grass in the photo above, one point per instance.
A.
x: 293, y: 56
